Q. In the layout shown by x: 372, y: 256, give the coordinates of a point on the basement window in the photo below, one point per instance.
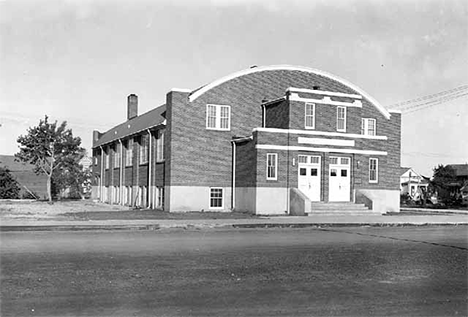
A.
x: 216, y: 198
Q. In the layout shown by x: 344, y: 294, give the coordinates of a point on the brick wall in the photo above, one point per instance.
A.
x: 277, y: 115
x: 246, y: 164
x: 201, y: 157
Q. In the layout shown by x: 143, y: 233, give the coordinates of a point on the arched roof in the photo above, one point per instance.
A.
x: 197, y: 93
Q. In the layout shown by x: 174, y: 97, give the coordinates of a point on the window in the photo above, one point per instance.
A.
x: 302, y: 159
x: 373, y: 170
x: 310, y: 116
x: 368, y: 126
x: 160, y: 197
x: 341, y: 119
x: 116, y: 195
x: 344, y: 161
x: 272, y: 160
x: 129, y: 153
x: 95, y: 159
x: 107, y: 158
x: 315, y: 159
x: 117, y: 156
x: 160, y: 146
x: 129, y: 196
x: 218, y: 117
x: 144, y: 149
x: 216, y: 198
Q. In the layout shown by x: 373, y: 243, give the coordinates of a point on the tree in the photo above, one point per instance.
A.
x: 72, y: 176
x: 443, y: 181
x: 49, y: 147
x: 9, y: 188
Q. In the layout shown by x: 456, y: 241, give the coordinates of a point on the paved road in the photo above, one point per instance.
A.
x: 247, y: 272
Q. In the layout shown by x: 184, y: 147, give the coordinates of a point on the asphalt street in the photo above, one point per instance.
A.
x: 390, y: 271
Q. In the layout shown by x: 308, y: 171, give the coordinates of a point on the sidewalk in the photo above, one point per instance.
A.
x: 320, y: 220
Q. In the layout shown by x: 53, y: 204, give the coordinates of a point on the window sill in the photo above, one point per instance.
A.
x: 217, y: 129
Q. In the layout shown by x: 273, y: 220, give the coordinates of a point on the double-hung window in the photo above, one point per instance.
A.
x: 107, y: 158
x: 373, y: 170
x: 272, y: 166
x: 129, y: 153
x: 368, y: 126
x: 216, y: 197
x: 310, y: 116
x: 218, y: 117
x: 117, y: 156
x: 144, y: 149
x: 160, y: 146
x: 341, y: 119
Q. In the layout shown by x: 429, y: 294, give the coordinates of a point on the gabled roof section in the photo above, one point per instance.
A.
x: 9, y: 162
x: 135, y: 125
x: 197, y: 93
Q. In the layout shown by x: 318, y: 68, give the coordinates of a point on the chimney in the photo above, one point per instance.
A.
x: 132, y: 106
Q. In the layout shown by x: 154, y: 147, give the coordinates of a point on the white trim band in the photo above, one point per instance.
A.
x: 335, y: 134
x: 326, y: 101
x: 323, y: 92
x: 315, y: 149
x: 319, y: 141
x: 181, y: 90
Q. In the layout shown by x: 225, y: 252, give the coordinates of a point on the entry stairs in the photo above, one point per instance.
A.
x: 337, y: 208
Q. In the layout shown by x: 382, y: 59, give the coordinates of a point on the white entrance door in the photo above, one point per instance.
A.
x: 309, y: 176
x: 339, y: 184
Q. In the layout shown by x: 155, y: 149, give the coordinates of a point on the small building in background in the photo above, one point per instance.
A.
x: 412, y: 183
x: 31, y: 184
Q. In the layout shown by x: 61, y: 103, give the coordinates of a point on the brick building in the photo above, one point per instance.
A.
x: 268, y: 140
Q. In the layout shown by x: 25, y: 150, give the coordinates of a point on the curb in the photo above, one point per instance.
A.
x: 78, y: 228
x: 154, y: 227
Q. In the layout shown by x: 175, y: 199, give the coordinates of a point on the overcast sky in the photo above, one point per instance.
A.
x: 77, y: 60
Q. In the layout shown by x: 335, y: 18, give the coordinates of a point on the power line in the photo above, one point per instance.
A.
x: 462, y: 89
x: 433, y: 103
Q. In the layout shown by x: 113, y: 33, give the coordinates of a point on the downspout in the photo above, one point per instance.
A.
x: 263, y: 116
x: 102, y: 175
x: 233, y: 185
x: 121, y: 173
x: 150, y: 191
x: 288, y: 198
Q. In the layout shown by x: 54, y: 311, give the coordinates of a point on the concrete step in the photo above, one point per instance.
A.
x: 335, y: 208
x: 338, y: 206
x: 342, y: 213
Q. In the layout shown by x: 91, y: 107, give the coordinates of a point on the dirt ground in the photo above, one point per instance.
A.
x: 42, y: 209
x: 89, y: 210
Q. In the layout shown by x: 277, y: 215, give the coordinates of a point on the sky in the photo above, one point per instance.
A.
x: 78, y: 60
